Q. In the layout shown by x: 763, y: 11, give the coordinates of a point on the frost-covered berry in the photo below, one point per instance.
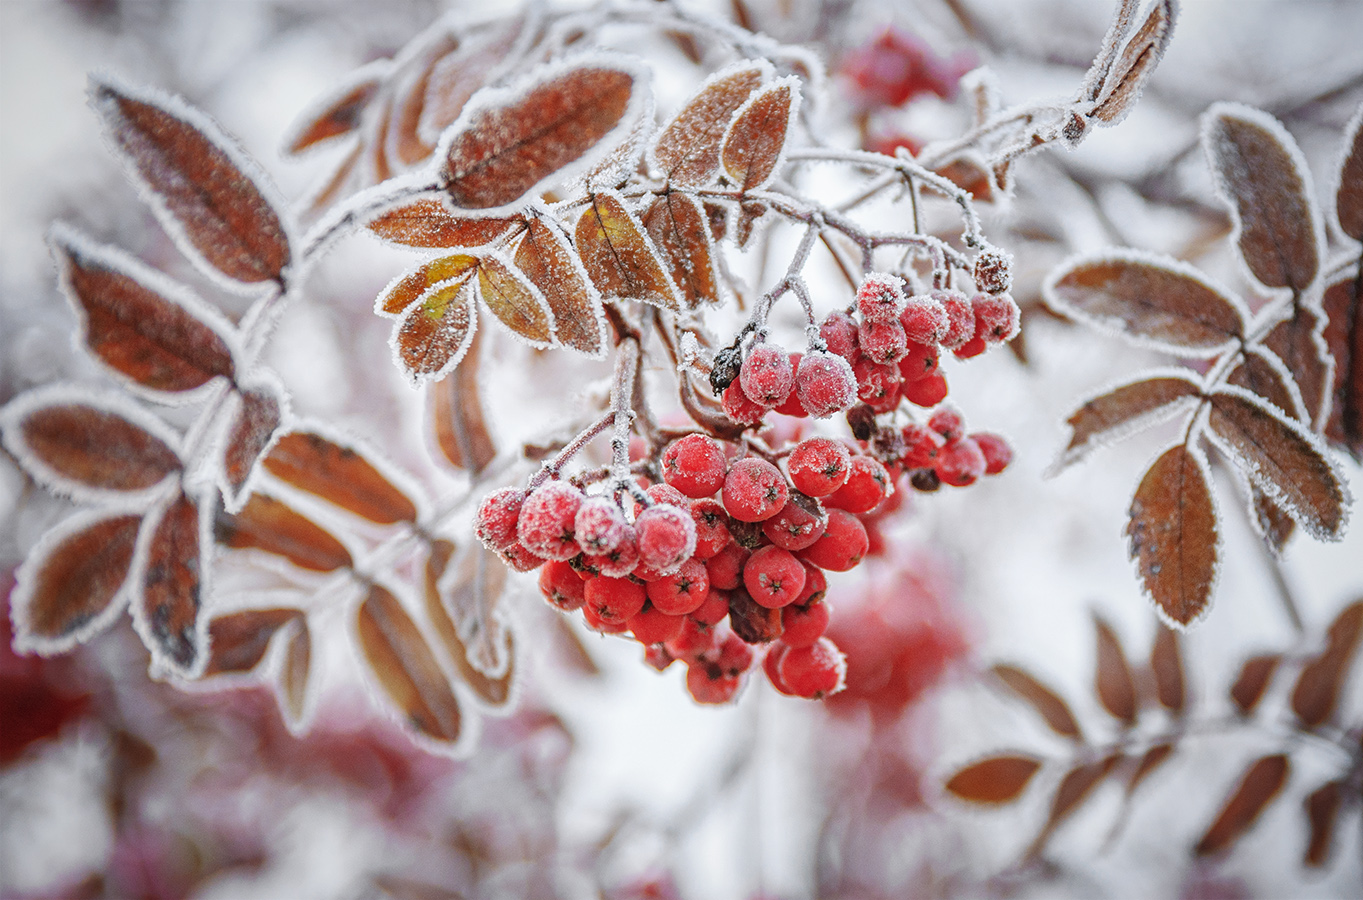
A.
x: 877, y: 385
x: 754, y: 490
x: 791, y: 406
x: 919, y: 361
x: 883, y: 342
x: 666, y: 493
x: 839, y: 332
x: 960, y: 462
x: 921, y: 444
x: 561, y: 586
x: 652, y: 626
x: 925, y: 392
x: 548, y: 519
x: 712, y: 528
x: 880, y: 298
x: 694, y: 465
x: 620, y: 560
x: 948, y: 422
x: 996, y: 317
x: 495, y: 522
x: 738, y: 407
x: 815, y: 671
x: 681, y: 592
x: 599, y: 525
x: 818, y: 466
x: 994, y: 271
x: 766, y: 375
x: 802, y: 625
x: 725, y: 568
x: 708, y: 685
x: 924, y: 320
x: 773, y: 577
x: 868, y: 484
x: 667, y: 537
x: 960, y: 318
x: 796, y: 526
x: 997, y: 453
x: 825, y: 384
x: 614, y: 600
x: 519, y: 559
x: 842, y: 546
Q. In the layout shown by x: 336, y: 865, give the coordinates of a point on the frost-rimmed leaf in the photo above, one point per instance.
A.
x: 1173, y: 535
x: 1166, y: 662
x: 1260, y: 784
x: 74, y: 582
x: 1282, y: 458
x: 1269, y: 520
x: 1113, y: 681
x: 513, y: 300
x: 436, y: 331
x: 88, y: 444
x: 340, y: 474
x: 402, y: 141
x: 1076, y: 787
x: 677, y: 225
x: 997, y: 780
x: 619, y: 256
x: 1124, y: 81
x: 405, y: 668
x: 971, y: 173
x: 1125, y: 409
x: 1262, y: 176
x: 340, y: 111
x: 1316, y: 693
x: 202, y: 187
x: 1253, y: 681
x: 431, y: 222
x: 1298, y: 341
x: 687, y: 149
x: 271, y: 526
x: 1322, y: 807
x: 756, y: 138
x: 1349, y: 196
x: 1343, y: 334
x: 238, y: 641
x: 151, y: 331
x: 258, y: 411
x: 1149, y: 299
x: 174, y: 585
x: 493, y: 693
x: 553, y: 266
x: 1047, y: 703
x: 470, y: 591
x: 405, y: 290
x: 457, y: 421
x: 554, y: 124
x: 1261, y: 373
x: 457, y: 76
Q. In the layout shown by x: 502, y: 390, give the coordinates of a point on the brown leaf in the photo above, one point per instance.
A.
x: 1046, y: 702
x: 266, y: 524
x: 677, y: 225
x: 687, y: 150
x: 203, y: 189
x: 1173, y: 535
x: 1151, y: 760
x: 340, y: 112
x: 752, y: 146
x: 437, y: 331
x: 66, y: 590
x: 504, y: 151
x: 969, y: 175
x: 1298, y: 342
x: 1166, y: 662
x: 619, y: 257
x: 457, y: 76
x: 1261, y: 174
x: 457, y: 417
x: 1264, y: 375
x: 1112, y: 675
x: 1142, y: 53
x: 1282, y: 458
x: 1316, y: 694
x: 343, y: 180
x: 1149, y: 300
x: 495, y: 692
x: 447, y: 271
x: 430, y: 222
x: 470, y: 595
x: 1349, y: 197
x: 173, y: 587
x: 405, y: 668
x: 237, y: 642
x: 1253, y: 680
x: 750, y: 212
x: 1343, y: 333
x: 1124, y: 409
x: 515, y: 302
x: 999, y: 779
x: 1261, y: 783
x: 551, y: 264
x: 293, y: 675
x: 1074, y: 789
x: 404, y: 140
x: 339, y: 475
x: 1321, y: 807
x: 253, y: 427
x: 1273, y: 524
x: 136, y: 320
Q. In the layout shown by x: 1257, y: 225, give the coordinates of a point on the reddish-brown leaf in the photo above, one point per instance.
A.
x: 343, y: 179
x: 495, y: 692
x: 1260, y: 173
x: 293, y: 675
x: 1321, y: 807
x: 173, y: 587
x: 340, y: 112
x: 1173, y: 535
x: 967, y: 173
x: 1074, y: 789
x: 437, y: 331
x: 1125, y: 409
x: 553, y: 266
x: 405, y: 667
x: 470, y: 595
x: 1263, y: 375
x: 677, y: 225
x: 67, y: 592
x: 619, y: 257
x: 1000, y: 779
x: 1316, y: 694
x: 1253, y: 680
x: 1151, y: 300
x: 1349, y: 197
x: 1113, y: 681
x: 457, y: 76
x: 137, y: 321
x: 237, y: 642
x: 1166, y: 662
x: 202, y: 188
x: 504, y: 151
x: 1343, y: 305
x: 1298, y: 342
x: 253, y: 427
x: 750, y: 213
x: 457, y: 417
x: 1274, y: 525
x: 1151, y: 760
x: 1282, y: 458
x: 1048, y: 704
x: 266, y: 524
x: 687, y: 150
x: 404, y: 140
x: 752, y: 146
x: 1261, y: 783
x: 339, y: 475
x: 515, y: 302
x: 70, y: 445
x: 447, y: 271
x: 430, y: 222
x: 1142, y: 53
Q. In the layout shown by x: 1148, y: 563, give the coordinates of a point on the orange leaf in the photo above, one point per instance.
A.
x: 339, y: 475
x: 1316, y: 694
x: 620, y: 259
x: 204, y: 191
x: 167, y: 615
x: 1343, y: 305
x: 1000, y: 779
x: 1112, y: 678
x: 677, y: 225
x: 1124, y: 409
x: 430, y: 222
x: 340, y: 112
x: 1261, y: 783
x: 551, y: 264
x: 458, y: 75
x: 496, y: 692
x: 403, y: 139
x: 1166, y: 662
x: 266, y: 524
x: 1173, y: 535
x: 1322, y: 806
x: 1046, y: 702
x: 1253, y: 680
x: 515, y: 302
x: 446, y: 271
x: 253, y: 427
x: 752, y: 146
x: 457, y: 416
x: 687, y: 150
x: 437, y: 331
x: 405, y: 668
x: 238, y: 641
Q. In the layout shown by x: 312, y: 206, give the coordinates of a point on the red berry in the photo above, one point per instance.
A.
x: 599, y: 525
x: 771, y: 664
x: 619, y: 560
x: 814, y: 671
x: 666, y: 493
x: 732, y: 656
x: 791, y: 405
x: 708, y: 685
x: 754, y: 490
x: 921, y: 444
x: 694, y: 465
x: 889, y: 143
x: 652, y: 626
x: 880, y: 298
x: 561, y: 586
x: 925, y: 392
x: 714, y: 609
x: 996, y: 317
x: 970, y: 349
x: 803, y: 625
x: 825, y: 384
x: 816, y: 584
x: 712, y: 528
x: 960, y: 462
x: 883, y: 342
x: 796, y: 526
x: 725, y: 568
x: 920, y: 361
x: 614, y: 600
x: 656, y: 655
x: 948, y: 422
x: 924, y: 320
x: 818, y: 466
x: 877, y: 385
x: 960, y: 315
x: 495, y: 523
x: 738, y: 407
x: 520, y: 559
x: 596, y: 623
x: 842, y: 546
x: 839, y: 332
x: 766, y: 375
x: 997, y: 453
x: 694, y: 640
x: 773, y: 577
x: 666, y: 535
x: 994, y: 271
x: 868, y: 484
x: 547, y: 520
x: 681, y: 592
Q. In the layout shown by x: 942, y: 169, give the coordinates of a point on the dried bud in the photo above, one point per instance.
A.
x: 994, y: 271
